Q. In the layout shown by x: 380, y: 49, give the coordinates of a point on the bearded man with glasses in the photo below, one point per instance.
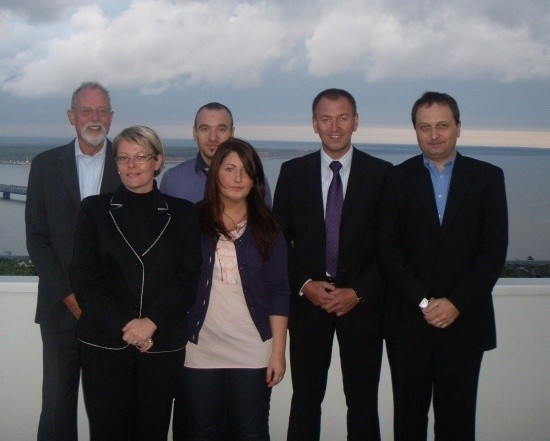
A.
x: 59, y: 179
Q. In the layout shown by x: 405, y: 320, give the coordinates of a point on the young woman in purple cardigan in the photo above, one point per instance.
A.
x: 238, y: 325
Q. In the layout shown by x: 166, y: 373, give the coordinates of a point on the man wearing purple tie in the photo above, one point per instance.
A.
x: 327, y: 203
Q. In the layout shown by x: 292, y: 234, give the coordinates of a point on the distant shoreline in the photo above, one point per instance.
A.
x: 402, y: 134
x: 465, y: 141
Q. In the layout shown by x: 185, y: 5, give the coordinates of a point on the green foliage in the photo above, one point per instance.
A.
x: 526, y: 269
x: 16, y: 267
x: 23, y: 266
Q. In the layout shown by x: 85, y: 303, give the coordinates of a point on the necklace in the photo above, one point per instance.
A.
x: 234, y: 226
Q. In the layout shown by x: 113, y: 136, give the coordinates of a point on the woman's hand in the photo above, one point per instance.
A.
x: 277, y: 362
x: 138, y: 332
x: 275, y: 369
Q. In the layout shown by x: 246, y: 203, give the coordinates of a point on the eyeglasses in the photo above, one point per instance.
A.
x: 87, y: 112
x: 137, y: 159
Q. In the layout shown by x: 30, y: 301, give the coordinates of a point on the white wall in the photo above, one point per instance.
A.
x: 514, y: 391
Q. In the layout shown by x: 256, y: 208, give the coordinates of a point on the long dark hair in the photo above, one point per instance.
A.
x: 260, y: 220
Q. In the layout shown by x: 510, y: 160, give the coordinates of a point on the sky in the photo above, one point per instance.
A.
x: 161, y: 60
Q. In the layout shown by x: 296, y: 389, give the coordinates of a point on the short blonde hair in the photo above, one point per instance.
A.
x: 145, y: 137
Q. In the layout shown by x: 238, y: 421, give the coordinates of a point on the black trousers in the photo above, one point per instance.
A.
x: 359, y: 336
x: 450, y: 378
x: 128, y: 395
x: 60, y: 383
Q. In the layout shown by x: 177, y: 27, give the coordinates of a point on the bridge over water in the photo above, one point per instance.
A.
x: 8, y: 190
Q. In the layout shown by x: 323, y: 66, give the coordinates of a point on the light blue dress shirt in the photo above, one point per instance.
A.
x: 90, y: 170
x: 441, y: 181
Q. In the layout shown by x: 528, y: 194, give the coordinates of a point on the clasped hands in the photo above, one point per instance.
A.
x: 440, y: 313
x: 138, y: 332
x: 332, y: 299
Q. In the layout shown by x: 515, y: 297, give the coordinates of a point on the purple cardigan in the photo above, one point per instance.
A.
x: 265, y: 283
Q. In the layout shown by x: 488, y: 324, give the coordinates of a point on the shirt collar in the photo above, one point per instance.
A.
x: 344, y: 160
x: 200, y: 165
x: 428, y: 164
x: 78, y: 152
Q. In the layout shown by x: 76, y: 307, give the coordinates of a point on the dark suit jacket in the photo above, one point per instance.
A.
x: 53, y: 199
x: 298, y: 206
x: 119, y: 274
x: 460, y: 259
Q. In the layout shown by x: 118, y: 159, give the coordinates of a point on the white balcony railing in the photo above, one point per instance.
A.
x: 514, y: 390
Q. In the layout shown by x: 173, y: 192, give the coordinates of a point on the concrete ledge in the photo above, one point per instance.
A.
x: 514, y: 390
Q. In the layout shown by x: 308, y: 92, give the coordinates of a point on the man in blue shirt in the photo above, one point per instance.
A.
x: 443, y: 240
x: 213, y: 125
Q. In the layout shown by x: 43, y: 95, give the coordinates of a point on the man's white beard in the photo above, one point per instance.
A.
x: 97, y: 140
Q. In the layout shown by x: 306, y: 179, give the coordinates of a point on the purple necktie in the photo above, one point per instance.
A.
x: 333, y: 213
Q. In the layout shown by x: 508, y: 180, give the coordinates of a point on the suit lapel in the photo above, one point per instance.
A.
x: 110, y: 179
x: 160, y: 218
x: 354, y: 189
x: 423, y: 193
x: 124, y: 222
x: 458, y: 190
x: 69, y: 174
x: 313, y: 190
x: 357, y: 189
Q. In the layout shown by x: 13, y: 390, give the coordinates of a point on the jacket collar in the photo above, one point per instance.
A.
x: 122, y: 217
x: 68, y: 166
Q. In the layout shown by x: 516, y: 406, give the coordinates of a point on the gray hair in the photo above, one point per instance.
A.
x: 89, y: 85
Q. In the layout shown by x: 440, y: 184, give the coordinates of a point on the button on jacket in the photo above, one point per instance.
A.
x: 265, y: 283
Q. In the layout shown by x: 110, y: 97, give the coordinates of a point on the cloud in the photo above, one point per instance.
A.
x: 38, y: 11
x: 156, y: 45
x: 462, y: 40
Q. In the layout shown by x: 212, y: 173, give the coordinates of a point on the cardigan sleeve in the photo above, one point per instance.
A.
x: 276, y: 278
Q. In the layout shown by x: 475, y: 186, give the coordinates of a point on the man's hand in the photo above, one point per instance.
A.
x: 72, y: 305
x: 318, y: 292
x: 440, y: 313
x: 343, y: 301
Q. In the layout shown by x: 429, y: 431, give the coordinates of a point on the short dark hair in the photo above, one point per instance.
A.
x: 436, y: 97
x: 260, y: 220
x: 89, y: 85
x: 334, y: 94
x: 214, y: 106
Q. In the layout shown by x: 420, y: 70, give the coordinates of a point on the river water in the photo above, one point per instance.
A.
x: 526, y: 172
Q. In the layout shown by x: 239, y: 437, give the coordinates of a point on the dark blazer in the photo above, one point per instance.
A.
x: 460, y: 259
x: 298, y: 206
x: 53, y: 199
x: 114, y: 282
